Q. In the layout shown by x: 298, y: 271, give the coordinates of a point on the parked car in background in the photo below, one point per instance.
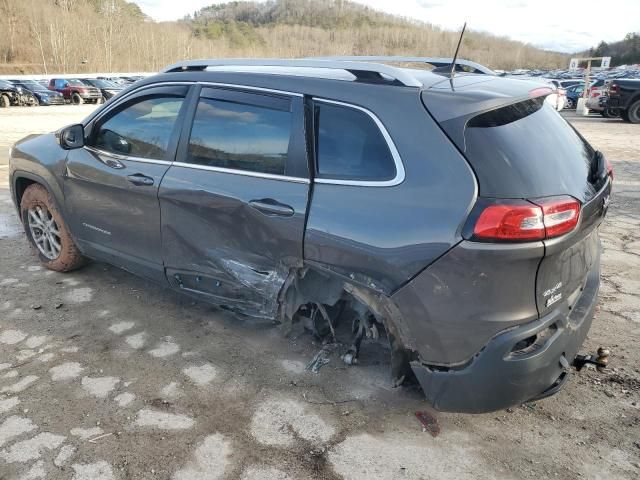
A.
x: 567, y: 83
x: 117, y: 80
x: 43, y: 95
x: 594, y: 100
x: 8, y: 94
x: 573, y: 94
x: 75, y: 91
x: 286, y: 193
x: 107, y: 88
x: 623, y: 96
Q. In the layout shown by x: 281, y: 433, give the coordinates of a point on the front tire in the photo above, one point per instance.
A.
x: 76, y: 99
x: 5, y: 102
x: 47, y: 232
x: 633, y: 112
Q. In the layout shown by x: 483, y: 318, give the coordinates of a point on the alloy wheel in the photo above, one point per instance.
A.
x: 44, y: 231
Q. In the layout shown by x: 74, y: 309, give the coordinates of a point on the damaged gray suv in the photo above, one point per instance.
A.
x: 456, y: 216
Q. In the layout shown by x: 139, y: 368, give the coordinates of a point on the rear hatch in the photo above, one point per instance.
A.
x: 524, y: 153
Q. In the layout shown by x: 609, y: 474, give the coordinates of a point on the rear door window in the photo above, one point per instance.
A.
x: 349, y: 145
x: 241, y: 132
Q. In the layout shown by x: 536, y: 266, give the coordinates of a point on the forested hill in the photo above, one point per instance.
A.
x: 624, y: 52
x: 57, y: 36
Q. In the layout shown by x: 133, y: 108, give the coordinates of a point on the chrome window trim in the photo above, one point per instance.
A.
x: 246, y: 173
x: 400, y: 172
x: 250, y: 88
x: 128, y: 158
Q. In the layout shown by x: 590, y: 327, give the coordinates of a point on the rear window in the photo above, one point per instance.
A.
x: 350, y: 146
x: 528, y: 150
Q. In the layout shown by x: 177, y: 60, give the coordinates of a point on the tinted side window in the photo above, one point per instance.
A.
x: 350, y: 146
x: 239, y: 136
x: 142, y: 129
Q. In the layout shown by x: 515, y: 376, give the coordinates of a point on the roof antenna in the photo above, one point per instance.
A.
x: 455, y: 56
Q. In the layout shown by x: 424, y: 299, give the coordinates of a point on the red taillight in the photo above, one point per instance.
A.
x: 540, y: 91
x: 560, y: 215
x: 609, y: 168
x: 510, y: 222
x: 614, y: 89
x: 525, y: 221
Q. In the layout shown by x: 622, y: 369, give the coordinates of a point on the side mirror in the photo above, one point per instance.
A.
x: 72, y: 137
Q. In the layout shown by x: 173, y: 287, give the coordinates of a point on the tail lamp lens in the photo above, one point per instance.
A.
x: 527, y: 221
x: 560, y: 215
x: 510, y: 222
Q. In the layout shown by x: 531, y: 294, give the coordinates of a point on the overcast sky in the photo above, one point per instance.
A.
x: 561, y: 25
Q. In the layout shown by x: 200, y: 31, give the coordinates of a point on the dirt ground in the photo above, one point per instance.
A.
x: 105, y: 376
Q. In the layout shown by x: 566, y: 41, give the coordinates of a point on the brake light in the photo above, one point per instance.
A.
x: 609, y: 168
x: 540, y: 91
x: 510, y: 222
x: 614, y: 89
x: 521, y: 220
x: 560, y: 215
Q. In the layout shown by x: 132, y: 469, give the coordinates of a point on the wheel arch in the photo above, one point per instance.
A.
x: 22, y: 180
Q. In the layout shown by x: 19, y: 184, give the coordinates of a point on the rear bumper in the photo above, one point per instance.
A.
x: 495, y: 378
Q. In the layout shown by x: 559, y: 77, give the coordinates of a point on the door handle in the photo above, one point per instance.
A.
x: 140, y: 179
x: 269, y: 206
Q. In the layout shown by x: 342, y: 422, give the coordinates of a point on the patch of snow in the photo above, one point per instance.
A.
x: 125, y: 399
x: 79, y: 295
x: 163, y: 420
x: 275, y: 422
x: 86, y: 433
x: 165, y: 348
x: 11, y: 337
x: 137, y: 340
x: 99, y: 386
x: 32, y: 448
x: 35, y: 342
x: 8, y: 403
x: 121, y: 327
x: 65, y: 371
x: 210, y: 460
x: 201, y: 375
x: 100, y: 470
x: 20, y: 385
x: 66, y: 452
x: 14, y: 426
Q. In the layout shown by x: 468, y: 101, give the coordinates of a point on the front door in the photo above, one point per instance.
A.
x: 111, y: 185
x: 234, y: 203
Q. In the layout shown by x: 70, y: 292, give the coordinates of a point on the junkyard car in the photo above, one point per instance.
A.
x: 457, y: 216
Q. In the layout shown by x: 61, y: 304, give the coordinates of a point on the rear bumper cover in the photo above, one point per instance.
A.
x: 495, y: 379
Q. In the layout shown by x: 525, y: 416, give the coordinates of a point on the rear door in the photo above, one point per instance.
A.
x: 111, y: 185
x: 234, y: 203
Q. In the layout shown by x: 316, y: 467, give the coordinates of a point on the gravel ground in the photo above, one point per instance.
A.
x: 105, y: 376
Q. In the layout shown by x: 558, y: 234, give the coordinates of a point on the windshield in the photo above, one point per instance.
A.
x: 30, y: 84
x: 5, y: 84
x: 102, y: 84
x: 76, y: 83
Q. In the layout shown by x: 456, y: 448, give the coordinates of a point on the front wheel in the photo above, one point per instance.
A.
x: 76, y: 99
x: 47, y: 231
x: 5, y: 102
x: 569, y: 104
x: 633, y: 112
